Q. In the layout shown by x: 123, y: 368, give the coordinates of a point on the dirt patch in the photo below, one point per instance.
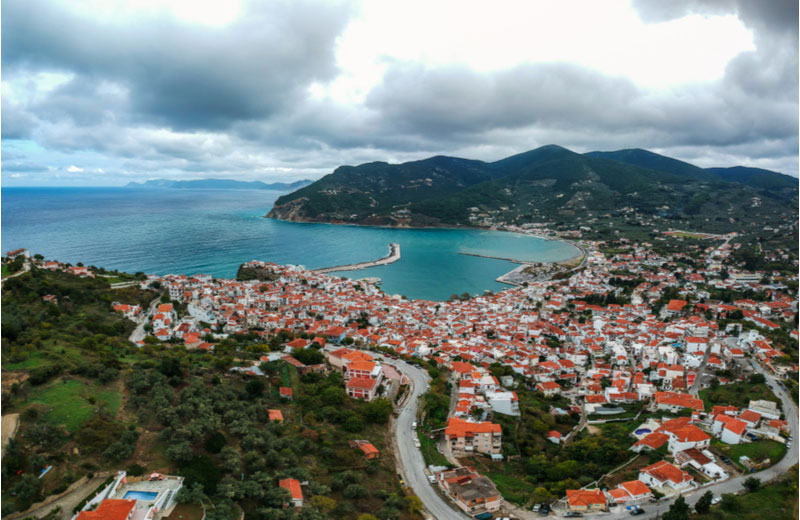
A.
x: 10, y: 426
x: 9, y: 378
x: 629, y: 472
x: 592, y: 429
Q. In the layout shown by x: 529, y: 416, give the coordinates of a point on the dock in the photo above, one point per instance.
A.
x: 394, y: 256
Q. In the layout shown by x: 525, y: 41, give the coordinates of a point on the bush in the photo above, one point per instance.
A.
x: 752, y: 483
x: 135, y: 470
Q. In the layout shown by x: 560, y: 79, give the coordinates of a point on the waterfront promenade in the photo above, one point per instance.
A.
x: 394, y: 256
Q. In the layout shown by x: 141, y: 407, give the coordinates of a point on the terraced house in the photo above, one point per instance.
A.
x: 468, y: 436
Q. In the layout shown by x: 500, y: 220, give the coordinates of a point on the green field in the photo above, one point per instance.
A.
x: 776, y: 501
x: 756, y: 451
x: 737, y: 394
x: 68, y: 401
x: 429, y: 451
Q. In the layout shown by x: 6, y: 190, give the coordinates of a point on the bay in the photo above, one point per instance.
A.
x: 213, y: 231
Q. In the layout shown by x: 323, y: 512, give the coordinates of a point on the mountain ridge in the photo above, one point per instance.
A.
x: 550, y: 183
x: 219, y: 184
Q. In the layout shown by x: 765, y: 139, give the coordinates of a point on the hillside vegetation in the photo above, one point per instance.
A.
x: 550, y: 184
x: 90, y: 401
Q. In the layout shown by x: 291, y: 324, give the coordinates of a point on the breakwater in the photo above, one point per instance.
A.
x: 394, y: 256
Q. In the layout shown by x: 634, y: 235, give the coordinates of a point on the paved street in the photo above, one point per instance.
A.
x: 138, y: 333
x: 413, y: 469
x: 414, y: 465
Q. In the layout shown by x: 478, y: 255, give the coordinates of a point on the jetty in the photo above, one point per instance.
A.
x: 512, y: 260
x: 394, y: 256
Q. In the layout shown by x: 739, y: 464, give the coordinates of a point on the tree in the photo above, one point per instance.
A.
x: 377, y: 411
x: 703, y: 505
x: 413, y: 503
x: 757, y: 378
x: 752, y: 483
x: 679, y: 510
x: 355, y: 491
x: 255, y: 387
x: 190, y: 494
x: 27, y: 490
x: 325, y: 504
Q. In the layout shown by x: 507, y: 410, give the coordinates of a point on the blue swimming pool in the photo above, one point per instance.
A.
x: 141, y: 495
x: 642, y: 431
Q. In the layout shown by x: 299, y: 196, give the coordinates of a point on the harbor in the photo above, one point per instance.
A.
x: 394, y: 256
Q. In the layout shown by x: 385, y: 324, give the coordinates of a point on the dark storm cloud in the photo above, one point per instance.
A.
x: 453, y: 104
x: 155, y: 97
x: 182, y: 75
x: 770, y: 15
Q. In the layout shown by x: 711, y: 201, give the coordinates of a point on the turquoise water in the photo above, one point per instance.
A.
x: 141, y: 495
x: 213, y: 231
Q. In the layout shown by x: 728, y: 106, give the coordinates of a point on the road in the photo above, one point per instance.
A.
x: 412, y: 464
x: 734, y: 485
x: 25, y: 268
x: 73, y: 496
x: 138, y: 333
x: 696, y: 385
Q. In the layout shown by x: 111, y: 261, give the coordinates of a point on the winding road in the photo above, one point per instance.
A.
x: 412, y: 465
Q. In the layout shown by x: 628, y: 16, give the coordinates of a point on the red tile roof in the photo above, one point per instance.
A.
x: 109, y: 509
x: 585, y: 497
x: 293, y: 485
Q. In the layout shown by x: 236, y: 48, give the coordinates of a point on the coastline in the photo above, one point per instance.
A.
x: 580, y: 250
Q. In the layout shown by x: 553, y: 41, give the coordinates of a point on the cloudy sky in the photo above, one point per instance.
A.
x: 105, y: 92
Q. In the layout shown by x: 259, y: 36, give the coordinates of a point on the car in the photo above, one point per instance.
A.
x: 725, y: 459
x: 432, y: 479
x: 536, y: 508
x: 573, y: 514
x: 636, y: 512
x: 716, y: 500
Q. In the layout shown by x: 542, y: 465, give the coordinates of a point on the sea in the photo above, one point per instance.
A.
x: 183, y: 231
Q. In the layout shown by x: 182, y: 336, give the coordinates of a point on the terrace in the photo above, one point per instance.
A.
x: 148, y: 494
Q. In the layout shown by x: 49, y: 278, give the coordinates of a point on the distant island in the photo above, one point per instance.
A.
x: 219, y: 184
x: 550, y: 185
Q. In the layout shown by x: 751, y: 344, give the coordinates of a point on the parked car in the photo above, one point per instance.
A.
x: 544, y: 510
x: 716, y: 500
x: 636, y: 512
x: 573, y: 514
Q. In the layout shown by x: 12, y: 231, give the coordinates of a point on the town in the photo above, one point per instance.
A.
x: 679, y: 360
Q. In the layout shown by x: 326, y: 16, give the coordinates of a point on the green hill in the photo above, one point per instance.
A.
x: 549, y: 184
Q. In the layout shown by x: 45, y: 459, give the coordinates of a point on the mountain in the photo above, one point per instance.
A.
x: 548, y: 184
x: 218, y: 184
x: 753, y: 177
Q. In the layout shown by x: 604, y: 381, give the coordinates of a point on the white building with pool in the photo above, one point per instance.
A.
x: 152, y: 494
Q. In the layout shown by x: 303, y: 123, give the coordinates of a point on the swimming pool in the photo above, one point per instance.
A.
x: 642, y: 431
x: 141, y: 495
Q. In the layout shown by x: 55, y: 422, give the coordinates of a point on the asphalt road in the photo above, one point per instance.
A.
x: 138, y: 333
x: 734, y: 485
x: 413, y: 465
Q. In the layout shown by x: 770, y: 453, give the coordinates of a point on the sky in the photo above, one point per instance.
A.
x: 101, y: 93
